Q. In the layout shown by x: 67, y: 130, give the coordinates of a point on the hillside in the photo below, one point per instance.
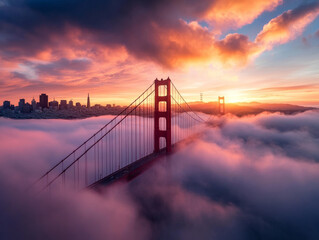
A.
x: 241, y: 109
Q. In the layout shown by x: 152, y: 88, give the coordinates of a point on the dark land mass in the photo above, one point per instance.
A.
x: 70, y: 113
x: 253, y: 108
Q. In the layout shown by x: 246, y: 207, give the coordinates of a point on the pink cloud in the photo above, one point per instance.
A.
x: 234, y: 14
x: 287, y: 26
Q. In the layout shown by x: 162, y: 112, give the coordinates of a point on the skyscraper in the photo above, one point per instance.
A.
x: 88, y: 105
x: 21, y: 103
x: 34, y: 104
x: 44, y: 103
x: 54, y: 105
x: 63, y: 104
x: 6, y: 104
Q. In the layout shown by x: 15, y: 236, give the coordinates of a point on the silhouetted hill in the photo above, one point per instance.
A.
x: 241, y: 109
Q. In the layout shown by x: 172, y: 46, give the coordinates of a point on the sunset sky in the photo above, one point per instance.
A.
x: 262, y: 50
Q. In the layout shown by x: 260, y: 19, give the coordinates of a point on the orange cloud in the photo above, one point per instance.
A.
x: 191, y: 43
x: 236, y: 49
x: 287, y: 26
x: 178, y: 44
x: 234, y: 13
x: 143, y: 30
x: 173, y: 46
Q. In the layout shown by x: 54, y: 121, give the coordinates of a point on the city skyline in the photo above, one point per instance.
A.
x: 63, y: 109
x: 52, y: 99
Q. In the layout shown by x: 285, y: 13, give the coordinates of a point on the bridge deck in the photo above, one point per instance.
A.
x: 131, y: 171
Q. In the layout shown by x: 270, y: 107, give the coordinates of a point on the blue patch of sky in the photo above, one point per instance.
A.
x: 291, y: 63
x: 312, y: 28
x: 204, y: 24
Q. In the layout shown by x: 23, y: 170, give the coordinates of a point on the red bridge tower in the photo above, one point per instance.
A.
x: 221, y: 105
x: 165, y: 113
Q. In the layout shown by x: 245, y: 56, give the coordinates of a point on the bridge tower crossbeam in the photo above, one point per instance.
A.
x: 162, y: 113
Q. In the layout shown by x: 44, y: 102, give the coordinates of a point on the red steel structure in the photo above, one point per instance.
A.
x: 163, y: 98
x: 150, y: 126
x: 221, y: 105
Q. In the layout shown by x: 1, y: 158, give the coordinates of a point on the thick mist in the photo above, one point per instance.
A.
x: 255, y: 177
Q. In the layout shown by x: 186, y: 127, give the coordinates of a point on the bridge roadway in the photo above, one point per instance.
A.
x: 136, y: 168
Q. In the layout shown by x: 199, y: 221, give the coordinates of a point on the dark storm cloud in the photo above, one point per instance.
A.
x: 161, y: 31
x: 29, y: 26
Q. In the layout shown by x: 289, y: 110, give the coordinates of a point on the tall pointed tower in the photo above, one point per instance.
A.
x: 88, y: 105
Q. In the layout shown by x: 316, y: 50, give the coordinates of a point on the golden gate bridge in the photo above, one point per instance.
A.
x: 150, y: 127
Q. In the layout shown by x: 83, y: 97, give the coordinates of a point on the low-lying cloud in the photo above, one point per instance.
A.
x: 245, y: 178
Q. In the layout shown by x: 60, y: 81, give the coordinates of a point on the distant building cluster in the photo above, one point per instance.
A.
x: 53, y: 109
x: 42, y: 104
